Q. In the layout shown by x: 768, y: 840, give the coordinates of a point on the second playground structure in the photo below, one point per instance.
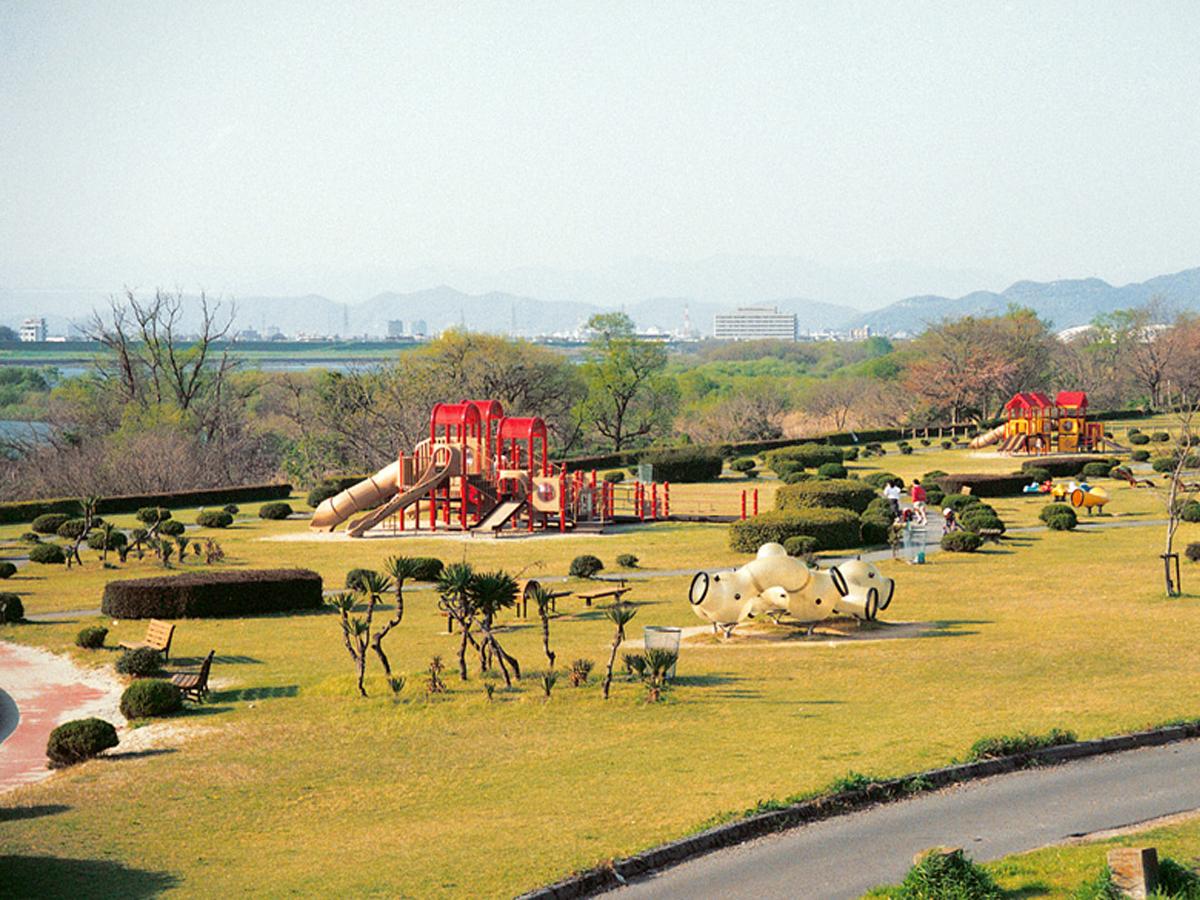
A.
x: 1033, y: 423
x: 484, y: 472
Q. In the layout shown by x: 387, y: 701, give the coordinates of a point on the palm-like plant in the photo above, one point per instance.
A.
x: 492, y: 592
x: 356, y: 630
x: 654, y: 668
x: 620, y: 614
x: 456, y: 600
x: 544, y: 599
x: 401, y: 569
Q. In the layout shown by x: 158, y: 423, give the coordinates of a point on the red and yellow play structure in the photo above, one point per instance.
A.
x: 481, y: 471
x: 1035, y: 424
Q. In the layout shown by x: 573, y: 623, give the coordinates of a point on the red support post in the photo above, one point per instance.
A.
x: 666, y: 499
x: 654, y: 500
x: 743, y: 505
x: 756, y: 501
x: 562, y: 500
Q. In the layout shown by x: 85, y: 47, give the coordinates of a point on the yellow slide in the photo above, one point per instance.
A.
x: 988, y: 437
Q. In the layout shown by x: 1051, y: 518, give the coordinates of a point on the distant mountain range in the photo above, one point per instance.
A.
x: 1064, y: 304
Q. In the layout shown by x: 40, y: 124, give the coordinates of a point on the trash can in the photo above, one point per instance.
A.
x: 913, y: 544
x: 663, y: 637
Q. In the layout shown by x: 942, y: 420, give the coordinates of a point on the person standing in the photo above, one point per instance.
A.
x: 891, y: 493
x: 918, y: 501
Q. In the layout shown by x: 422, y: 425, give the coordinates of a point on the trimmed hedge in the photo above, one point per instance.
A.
x: 1190, y: 511
x: 149, y: 515
x: 11, y: 608
x: 428, y: 568
x: 959, y: 502
x: 50, y: 522
x: 585, y: 566
x: 745, y: 464
x: 214, y: 518
x: 47, y: 554
x: 804, y: 456
x: 832, y: 470
x: 685, y: 464
x: 199, y: 595
x: 72, y: 529
x: 1162, y: 464
x: 796, y: 477
x: 1059, y: 517
x: 1063, y: 466
x: 172, y: 528
x: 833, y: 529
x: 29, y: 510
x: 961, y: 542
x: 982, y: 485
x: 7, y: 570
x: 1139, y: 439
x: 1096, y: 469
x: 150, y: 697
x: 981, y: 517
x: 275, y: 511
x: 835, y: 493
x: 616, y: 476
x: 800, y: 545
x: 73, y: 742
x: 1139, y: 455
x: 116, y: 540
x: 879, y: 479
x: 92, y: 637
x: 139, y: 661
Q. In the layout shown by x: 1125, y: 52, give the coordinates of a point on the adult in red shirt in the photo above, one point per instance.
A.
x: 918, y: 501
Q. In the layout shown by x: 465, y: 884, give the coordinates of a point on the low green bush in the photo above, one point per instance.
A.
x: 1160, y: 436
x: 947, y: 445
x: 139, y: 662
x: 832, y: 470
x: 1096, y: 469
x: 981, y: 518
x: 116, y: 540
x: 231, y: 508
x: 172, y: 528
x: 150, y: 697
x: 1037, y: 473
x: 1192, y: 552
x: 1139, y: 455
x: 796, y: 477
x: 801, y: 545
x: 934, y: 497
x: 7, y: 570
x: 684, y: 464
x: 150, y: 515
x: 1017, y: 744
x: 72, y: 529
x: 906, y: 449
x: 320, y: 494
x: 849, y: 454
x: 31, y: 537
x: 627, y: 561
x: 745, y: 464
x: 959, y: 502
x: 1139, y: 439
x: 92, y: 637
x: 932, y: 475
x: 961, y: 542
x: 616, y: 476
x: 11, y: 608
x: 947, y: 876
x: 1059, y: 517
x: 1162, y: 464
x: 585, y: 566
x: 835, y: 493
x: 47, y: 554
x: 49, y: 523
x: 879, y: 479
x: 80, y: 739
x: 276, y: 511
x: 354, y: 578
x: 1189, y: 511
x: 428, y: 568
x: 804, y: 456
x: 834, y: 529
x: 214, y: 518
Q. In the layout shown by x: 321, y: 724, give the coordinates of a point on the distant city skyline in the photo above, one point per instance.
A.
x: 886, y: 149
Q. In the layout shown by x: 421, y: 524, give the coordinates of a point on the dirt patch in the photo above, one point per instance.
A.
x: 830, y: 633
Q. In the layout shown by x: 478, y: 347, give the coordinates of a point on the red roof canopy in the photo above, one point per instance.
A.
x: 1028, y: 400
x: 521, y: 428
x: 1072, y: 399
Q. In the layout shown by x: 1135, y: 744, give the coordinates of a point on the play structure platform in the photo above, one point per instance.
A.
x: 1034, y: 424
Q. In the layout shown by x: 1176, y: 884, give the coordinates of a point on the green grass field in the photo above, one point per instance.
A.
x: 290, y: 783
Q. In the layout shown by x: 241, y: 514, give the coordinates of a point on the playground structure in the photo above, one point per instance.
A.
x: 774, y: 584
x: 1035, y: 424
x: 483, y: 472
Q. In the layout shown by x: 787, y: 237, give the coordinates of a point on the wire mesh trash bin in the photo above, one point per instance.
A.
x: 663, y: 637
x: 913, y: 544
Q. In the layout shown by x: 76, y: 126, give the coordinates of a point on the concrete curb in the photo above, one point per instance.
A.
x: 601, y: 878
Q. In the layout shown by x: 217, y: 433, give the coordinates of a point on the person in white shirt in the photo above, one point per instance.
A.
x: 892, y: 494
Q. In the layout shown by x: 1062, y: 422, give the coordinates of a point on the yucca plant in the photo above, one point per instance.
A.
x: 434, y: 683
x: 400, y: 569
x: 549, y: 679
x: 544, y: 599
x: 580, y: 670
x: 654, y: 668
x: 456, y: 600
x: 620, y: 614
x: 492, y: 592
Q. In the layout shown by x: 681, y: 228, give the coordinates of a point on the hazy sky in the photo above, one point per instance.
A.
x: 255, y: 144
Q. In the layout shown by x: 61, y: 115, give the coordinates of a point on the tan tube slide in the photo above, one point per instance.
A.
x: 988, y: 437
x: 367, y: 494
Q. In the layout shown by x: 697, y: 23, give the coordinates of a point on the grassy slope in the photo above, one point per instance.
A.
x: 456, y: 796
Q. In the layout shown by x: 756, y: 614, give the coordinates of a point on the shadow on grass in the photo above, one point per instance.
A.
x: 50, y: 876
x: 1033, y: 889
x: 237, y: 695
x: 948, y: 628
x: 17, y: 813
x: 217, y: 660
x: 137, y: 754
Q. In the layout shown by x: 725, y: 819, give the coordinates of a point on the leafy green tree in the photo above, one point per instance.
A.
x: 629, y: 398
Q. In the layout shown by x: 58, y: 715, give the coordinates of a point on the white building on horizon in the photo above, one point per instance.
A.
x: 750, y: 323
x: 33, y: 331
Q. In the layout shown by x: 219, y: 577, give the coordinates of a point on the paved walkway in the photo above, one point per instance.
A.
x: 848, y: 855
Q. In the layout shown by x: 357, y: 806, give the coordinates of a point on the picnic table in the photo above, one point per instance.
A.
x: 616, y: 593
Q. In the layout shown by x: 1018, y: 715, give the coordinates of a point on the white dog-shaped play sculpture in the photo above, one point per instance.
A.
x: 775, y: 583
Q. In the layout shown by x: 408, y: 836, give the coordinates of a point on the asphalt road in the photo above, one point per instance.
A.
x: 848, y: 855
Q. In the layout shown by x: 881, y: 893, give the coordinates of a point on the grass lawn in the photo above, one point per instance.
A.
x: 290, y: 784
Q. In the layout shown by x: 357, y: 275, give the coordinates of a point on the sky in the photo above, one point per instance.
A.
x: 278, y: 147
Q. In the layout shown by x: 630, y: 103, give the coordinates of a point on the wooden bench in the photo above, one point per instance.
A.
x: 158, y: 637
x: 194, y: 685
x: 615, y: 592
x: 525, y: 589
x: 990, y: 535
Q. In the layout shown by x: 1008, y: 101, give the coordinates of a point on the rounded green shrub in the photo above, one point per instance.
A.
x: 214, y: 518
x: 947, y: 445
x: 834, y: 529
x: 1096, y: 470
x: 1139, y: 439
x: 11, y: 608
x: 835, y: 493
x: 947, y: 876
x: 1132, y: 430
x: 320, y: 494
x: 1059, y: 517
x: 800, y: 545
x: 832, y: 470
x: 277, y: 510
x: 1162, y: 464
x: 1192, y: 551
x: 72, y: 529
x: 116, y: 540
x: 849, y: 454
x: 961, y: 542
x: 150, y: 697
x: 585, y: 566
x: 80, y: 739
x: 49, y: 523
x: 1139, y: 455
x: 616, y: 476
x: 172, y: 528
x: 934, y: 497
x: 31, y: 537
x: 1160, y: 436
x: 627, y: 561
x: 7, y: 570
x: 879, y: 479
x: 47, y: 554
x: 1190, y: 511
x: 354, y: 578
x: 981, y: 518
x: 213, y: 593
x: 796, y: 477
x: 906, y: 449
x: 959, y: 502
x: 140, y: 662
x: 149, y: 515
x: 92, y: 637
x: 803, y: 456
x: 931, y: 475
x: 231, y: 508
x: 1037, y: 473
x: 428, y: 568
x: 745, y: 464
